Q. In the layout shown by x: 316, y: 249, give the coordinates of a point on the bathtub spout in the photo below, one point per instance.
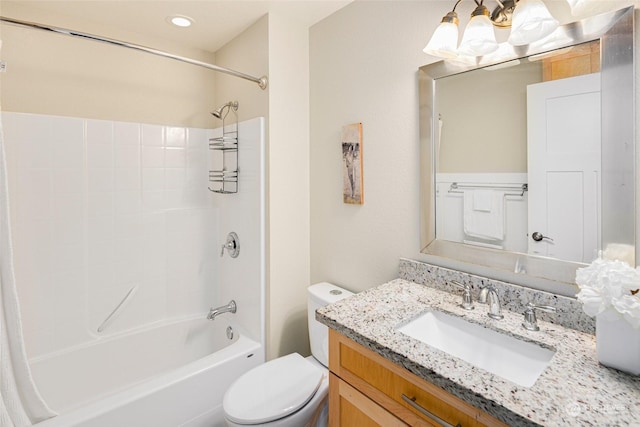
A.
x: 215, y: 312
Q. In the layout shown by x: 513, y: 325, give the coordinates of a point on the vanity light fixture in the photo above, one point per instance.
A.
x: 180, y: 21
x: 530, y: 19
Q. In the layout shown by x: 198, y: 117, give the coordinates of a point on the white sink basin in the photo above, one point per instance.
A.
x: 510, y: 358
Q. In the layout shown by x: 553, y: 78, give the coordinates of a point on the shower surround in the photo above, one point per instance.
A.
x: 101, y: 208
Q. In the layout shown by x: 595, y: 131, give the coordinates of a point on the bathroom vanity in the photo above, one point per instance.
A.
x: 367, y: 389
x: 373, y: 364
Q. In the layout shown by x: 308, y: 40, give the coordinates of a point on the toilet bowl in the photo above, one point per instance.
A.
x: 290, y: 391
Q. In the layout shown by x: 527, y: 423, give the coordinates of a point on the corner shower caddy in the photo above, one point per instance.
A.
x: 225, y: 178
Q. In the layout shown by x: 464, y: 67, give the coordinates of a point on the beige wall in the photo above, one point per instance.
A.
x: 289, y: 225
x: 55, y: 74
x: 364, y: 60
x: 286, y: 105
x: 485, y: 111
x: 249, y: 53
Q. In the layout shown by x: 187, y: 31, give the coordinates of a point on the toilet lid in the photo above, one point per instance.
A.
x: 272, y: 391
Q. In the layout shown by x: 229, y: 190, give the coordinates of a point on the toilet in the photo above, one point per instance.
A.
x: 290, y: 390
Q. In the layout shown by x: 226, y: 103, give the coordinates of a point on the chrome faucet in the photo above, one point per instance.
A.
x: 215, y: 312
x: 489, y: 295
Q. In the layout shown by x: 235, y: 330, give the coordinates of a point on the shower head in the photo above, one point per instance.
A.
x: 220, y: 112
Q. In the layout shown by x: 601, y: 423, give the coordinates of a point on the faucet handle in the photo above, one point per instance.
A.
x: 232, y: 245
x: 546, y: 308
x: 530, y: 321
x: 467, y: 300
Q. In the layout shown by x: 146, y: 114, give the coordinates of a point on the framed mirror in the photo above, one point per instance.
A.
x: 527, y: 165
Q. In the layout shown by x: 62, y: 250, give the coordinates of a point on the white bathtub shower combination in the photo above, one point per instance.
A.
x: 101, y: 208
x: 171, y: 374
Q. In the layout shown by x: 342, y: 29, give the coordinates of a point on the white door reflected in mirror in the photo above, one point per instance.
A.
x: 563, y: 120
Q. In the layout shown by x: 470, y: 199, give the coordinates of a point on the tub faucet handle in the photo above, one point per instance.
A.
x: 225, y: 246
x: 232, y: 245
x: 467, y: 300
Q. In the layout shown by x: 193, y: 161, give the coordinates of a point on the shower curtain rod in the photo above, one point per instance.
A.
x: 261, y: 81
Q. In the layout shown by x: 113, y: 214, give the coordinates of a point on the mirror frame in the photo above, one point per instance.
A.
x: 615, y: 30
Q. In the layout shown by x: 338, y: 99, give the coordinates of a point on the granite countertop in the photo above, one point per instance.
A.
x: 573, y: 390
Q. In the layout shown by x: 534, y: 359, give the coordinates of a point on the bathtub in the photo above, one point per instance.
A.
x: 170, y: 374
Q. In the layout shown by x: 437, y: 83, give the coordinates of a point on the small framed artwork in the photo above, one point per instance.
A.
x: 352, y: 187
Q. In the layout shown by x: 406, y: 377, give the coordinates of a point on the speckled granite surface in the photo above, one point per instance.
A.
x: 513, y: 297
x: 574, y: 390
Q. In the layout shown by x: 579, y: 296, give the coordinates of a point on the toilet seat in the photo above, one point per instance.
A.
x: 272, y: 391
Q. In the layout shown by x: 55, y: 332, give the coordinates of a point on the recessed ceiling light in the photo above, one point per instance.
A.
x: 180, y: 20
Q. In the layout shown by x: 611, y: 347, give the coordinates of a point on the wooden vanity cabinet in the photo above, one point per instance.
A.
x: 365, y: 389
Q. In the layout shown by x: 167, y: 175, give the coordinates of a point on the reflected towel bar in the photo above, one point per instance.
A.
x: 455, y: 186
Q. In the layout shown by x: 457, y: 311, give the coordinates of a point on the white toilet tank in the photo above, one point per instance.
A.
x: 319, y: 295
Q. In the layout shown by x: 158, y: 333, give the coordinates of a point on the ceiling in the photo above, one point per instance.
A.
x: 216, y: 21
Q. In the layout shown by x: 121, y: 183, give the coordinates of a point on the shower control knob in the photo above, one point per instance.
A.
x: 538, y: 237
x: 232, y: 245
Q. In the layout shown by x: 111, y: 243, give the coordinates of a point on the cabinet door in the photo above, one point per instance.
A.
x: 348, y: 407
x: 409, y: 398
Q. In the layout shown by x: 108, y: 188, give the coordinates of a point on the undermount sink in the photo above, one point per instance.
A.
x: 518, y: 361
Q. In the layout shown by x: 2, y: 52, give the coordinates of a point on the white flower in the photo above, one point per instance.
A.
x: 608, y: 283
x: 593, y: 301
